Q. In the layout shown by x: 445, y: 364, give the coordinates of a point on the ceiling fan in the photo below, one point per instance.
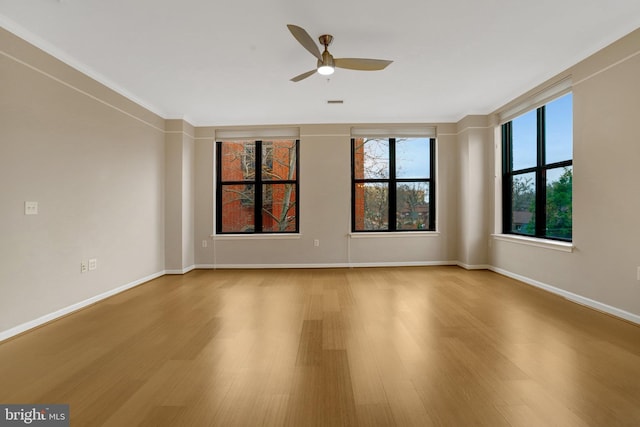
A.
x: 326, y: 61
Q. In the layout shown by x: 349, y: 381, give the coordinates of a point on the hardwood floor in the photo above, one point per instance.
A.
x: 331, y: 347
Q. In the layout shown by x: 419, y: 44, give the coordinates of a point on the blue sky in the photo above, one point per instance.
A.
x: 559, y: 134
x: 412, y: 154
x: 412, y: 157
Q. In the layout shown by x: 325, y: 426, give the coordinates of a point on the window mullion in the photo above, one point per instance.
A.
x: 392, y: 185
x: 257, y: 220
x: 354, y: 184
x: 219, y: 187
x: 432, y: 186
x: 552, y: 214
x: 507, y: 178
x: 297, y: 187
x: 541, y: 177
x: 243, y: 213
x: 384, y: 156
x: 561, y: 164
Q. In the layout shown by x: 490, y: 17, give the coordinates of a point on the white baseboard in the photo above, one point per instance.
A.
x: 183, y: 271
x: 205, y: 267
x: 74, y: 307
x: 403, y: 264
x: 472, y: 266
x: 634, y: 318
x: 326, y: 265
x: 579, y: 299
x: 273, y: 266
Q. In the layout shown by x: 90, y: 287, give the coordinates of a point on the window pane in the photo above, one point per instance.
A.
x: 238, y: 161
x: 372, y: 206
x: 559, y: 195
x: 524, y: 140
x: 371, y: 157
x: 237, y: 208
x: 278, y: 207
x: 523, y: 204
x: 412, y: 158
x: 412, y: 206
x: 278, y: 160
x: 559, y: 129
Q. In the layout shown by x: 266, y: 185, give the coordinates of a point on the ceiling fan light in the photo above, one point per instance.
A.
x: 326, y: 70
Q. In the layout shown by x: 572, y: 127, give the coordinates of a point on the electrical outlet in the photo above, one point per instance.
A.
x: 93, y: 263
x: 31, y: 208
x: 83, y: 267
x: 204, y: 243
x: 316, y: 243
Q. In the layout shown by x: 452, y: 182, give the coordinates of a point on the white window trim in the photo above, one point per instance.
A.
x: 257, y: 236
x: 536, y: 242
x: 540, y: 98
x: 536, y: 100
x: 397, y: 131
x: 392, y: 234
x: 257, y: 134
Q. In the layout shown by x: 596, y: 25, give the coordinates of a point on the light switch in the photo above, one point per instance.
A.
x: 31, y: 208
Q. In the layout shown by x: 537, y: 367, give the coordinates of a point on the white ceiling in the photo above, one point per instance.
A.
x: 224, y: 62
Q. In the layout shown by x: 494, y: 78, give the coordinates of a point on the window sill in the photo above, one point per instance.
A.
x: 262, y: 236
x: 393, y: 234
x: 532, y: 241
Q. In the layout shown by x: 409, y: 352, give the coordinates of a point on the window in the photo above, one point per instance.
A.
x: 257, y: 186
x: 538, y: 171
x: 392, y: 184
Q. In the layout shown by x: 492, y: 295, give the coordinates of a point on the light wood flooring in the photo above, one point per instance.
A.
x: 331, y: 347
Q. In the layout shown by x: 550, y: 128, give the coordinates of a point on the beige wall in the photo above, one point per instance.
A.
x: 94, y: 162
x: 180, y: 196
x: 602, y: 269
x: 325, y: 209
x: 204, y: 196
x: 118, y: 183
x: 474, y: 190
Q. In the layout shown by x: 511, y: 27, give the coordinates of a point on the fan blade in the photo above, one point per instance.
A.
x: 305, y: 40
x: 303, y: 76
x: 361, y: 64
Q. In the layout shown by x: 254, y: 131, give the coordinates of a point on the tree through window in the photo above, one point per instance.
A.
x: 257, y: 186
x: 393, y: 184
x: 538, y: 171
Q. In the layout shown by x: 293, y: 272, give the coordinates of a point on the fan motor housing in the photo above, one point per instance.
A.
x: 327, y: 59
